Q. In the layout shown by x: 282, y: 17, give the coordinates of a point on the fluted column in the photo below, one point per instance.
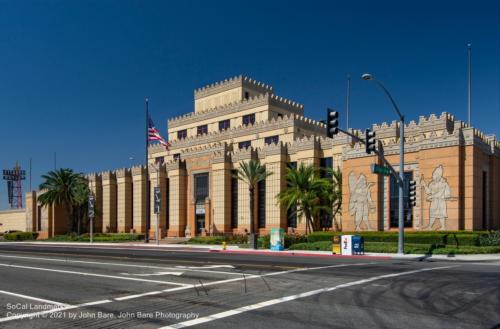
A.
x: 109, y: 206
x: 139, y: 199
x: 95, y: 186
x: 124, y: 200
x: 177, y: 199
x: 221, y: 193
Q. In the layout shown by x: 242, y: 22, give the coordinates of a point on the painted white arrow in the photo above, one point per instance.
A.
x: 153, y: 274
x: 206, y: 267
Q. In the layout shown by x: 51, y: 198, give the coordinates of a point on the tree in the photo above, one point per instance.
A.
x: 63, y: 187
x: 307, y: 193
x: 251, y: 173
x: 333, y: 195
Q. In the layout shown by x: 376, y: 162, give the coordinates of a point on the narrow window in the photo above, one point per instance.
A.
x: 248, y: 119
x: 245, y: 144
x: 181, y: 134
x: 247, y: 95
x: 201, y: 130
x: 261, y: 208
x: 271, y: 140
x: 292, y: 211
x: 177, y: 156
x: 234, y: 200
x: 224, y: 125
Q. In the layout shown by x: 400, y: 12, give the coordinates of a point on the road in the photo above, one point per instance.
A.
x: 44, y: 286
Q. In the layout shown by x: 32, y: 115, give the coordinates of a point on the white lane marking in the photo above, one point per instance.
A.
x: 290, y: 298
x: 247, y: 277
x: 29, y: 315
x: 93, y: 274
x: 46, y: 301
x: 154, y: 274
x: 116, y: 264
x: 59, y: 309
x: 206, y: 267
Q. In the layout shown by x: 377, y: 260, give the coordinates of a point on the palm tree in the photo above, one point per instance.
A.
x: 305, y: 194
x: 61, y: 187
x: 251, y: 173
x: 334, y: 193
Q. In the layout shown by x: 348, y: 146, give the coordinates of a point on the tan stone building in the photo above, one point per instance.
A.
x: 457, y: 169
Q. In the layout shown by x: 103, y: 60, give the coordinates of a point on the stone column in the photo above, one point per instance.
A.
x: 31, y: 211
x: 155, y: 175
x: 139, y: 199
x: 275, y: 162
x: 109, y: 205
x: 124, y: 200
x: 95, y: 186
x: 243, y: 193
x: 221, y: 193
x: 177, y: 199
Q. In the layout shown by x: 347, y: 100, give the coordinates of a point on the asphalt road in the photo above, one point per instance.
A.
x: 77, y: 287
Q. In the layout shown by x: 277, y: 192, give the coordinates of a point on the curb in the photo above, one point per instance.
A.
x: 298, y: 254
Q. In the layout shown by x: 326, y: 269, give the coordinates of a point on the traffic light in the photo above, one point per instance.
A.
x: 370, y: 141
x: 332, y: 123
x: 412, y: 187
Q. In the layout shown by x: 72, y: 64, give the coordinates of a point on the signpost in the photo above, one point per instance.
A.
x: 91, y: 215
x: 382, y: 170
x: 157, y: 207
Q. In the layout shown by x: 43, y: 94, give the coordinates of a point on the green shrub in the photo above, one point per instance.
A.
x: 319, y: 245
x: 264, y: 241
x: 99, y: 237
x: 206, y: 240
x: 456, y: 238
x: 490, y: 239
x: 21, y: 236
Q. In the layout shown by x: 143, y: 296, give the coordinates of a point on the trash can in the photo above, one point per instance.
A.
x: 358, y: 245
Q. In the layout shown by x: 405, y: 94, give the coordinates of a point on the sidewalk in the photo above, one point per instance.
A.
x: 237, y: 250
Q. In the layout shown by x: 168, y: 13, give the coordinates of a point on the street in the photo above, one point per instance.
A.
x: 113, y: 287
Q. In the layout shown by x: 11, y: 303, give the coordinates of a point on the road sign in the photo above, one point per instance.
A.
x: 381, y: 170
x: 91, y: 206
x: 157, y: 195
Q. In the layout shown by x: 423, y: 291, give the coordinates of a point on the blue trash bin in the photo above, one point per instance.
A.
x: 358, y: 245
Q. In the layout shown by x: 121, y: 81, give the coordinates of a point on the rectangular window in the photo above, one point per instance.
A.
x: 271, y: 140
x: 177, y: 156
x: 234, y: 200
x: 325, y: 163
x: 484, y: 203
x: 261, y: 208
x: 200, y: 187
x: 202, y: 130
x: 394, y: 201
x: 291, y: 212
x: 245, y: 144
x: 182, y: 134
x: 224, y: 124
x: 248, y: 119
x: 159, y: 160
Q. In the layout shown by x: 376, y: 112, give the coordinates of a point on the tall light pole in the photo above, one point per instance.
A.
x: 369, y: 77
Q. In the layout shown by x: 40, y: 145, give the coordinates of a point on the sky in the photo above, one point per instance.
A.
x: 74, y: 74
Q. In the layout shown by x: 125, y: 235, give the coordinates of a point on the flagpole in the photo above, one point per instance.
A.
x: 146, y: 235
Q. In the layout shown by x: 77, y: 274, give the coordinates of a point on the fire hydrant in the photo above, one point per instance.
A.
x: 224, y: 245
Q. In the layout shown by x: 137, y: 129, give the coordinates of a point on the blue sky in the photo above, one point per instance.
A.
x: 74, y: 74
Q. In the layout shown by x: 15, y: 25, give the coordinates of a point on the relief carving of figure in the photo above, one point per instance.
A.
x: 437, y: 192
x: 360, y: 200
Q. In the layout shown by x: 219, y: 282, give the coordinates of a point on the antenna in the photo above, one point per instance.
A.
x: 14, y: 178
x: 469, y: 81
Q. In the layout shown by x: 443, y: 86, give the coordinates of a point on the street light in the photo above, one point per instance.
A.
x: 369, y: 77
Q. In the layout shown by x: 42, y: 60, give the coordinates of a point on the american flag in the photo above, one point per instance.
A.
x: 154, y: 134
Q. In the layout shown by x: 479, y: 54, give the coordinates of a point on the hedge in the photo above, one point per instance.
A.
x: 99, y: 237
x: 218, y: 239
x: 20, y: 236
x: 457, y: 238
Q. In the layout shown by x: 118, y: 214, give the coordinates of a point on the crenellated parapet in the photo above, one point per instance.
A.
x: 123, y: 173
x: 138, y: 170
x: 273, y: 149
x: 244, y: 154
x: 108, y: 175
x: 231, y: 83
x: 245, y: 104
